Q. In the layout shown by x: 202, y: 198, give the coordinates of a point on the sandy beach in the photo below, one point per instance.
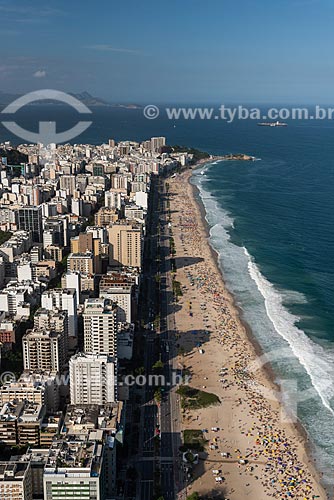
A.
x: 215, y: 348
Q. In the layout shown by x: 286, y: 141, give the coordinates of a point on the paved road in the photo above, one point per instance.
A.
x: 171, y: 474
x: 149, y: 411
x: 171, y: 467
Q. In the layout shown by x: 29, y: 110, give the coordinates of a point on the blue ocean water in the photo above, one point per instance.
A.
x: 272, y: 224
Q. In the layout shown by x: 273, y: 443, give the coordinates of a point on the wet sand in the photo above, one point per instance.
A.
x: 253, y: 426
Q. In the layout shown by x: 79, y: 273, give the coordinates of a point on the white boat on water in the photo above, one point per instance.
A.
x: 202, y: 173
x: 272, y: 124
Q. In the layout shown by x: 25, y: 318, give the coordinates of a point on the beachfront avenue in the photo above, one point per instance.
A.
x: 155, y: 381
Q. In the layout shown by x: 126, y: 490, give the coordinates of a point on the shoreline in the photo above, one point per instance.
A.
x: 295, y: 432
x: 270, y: 373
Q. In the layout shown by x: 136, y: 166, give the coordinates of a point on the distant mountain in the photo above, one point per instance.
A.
x: 89, y: 100
x: 84, y: 97
x: 127, y: 106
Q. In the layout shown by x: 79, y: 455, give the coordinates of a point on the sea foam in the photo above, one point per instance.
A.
x: 317, y: 362
x: 266, y: 310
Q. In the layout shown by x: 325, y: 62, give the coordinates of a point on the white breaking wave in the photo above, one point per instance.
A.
x: 265, y: 310
x: 318, y: 363
x: 293, y: 297
x: 204, y: 167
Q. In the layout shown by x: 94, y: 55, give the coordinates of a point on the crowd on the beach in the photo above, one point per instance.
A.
x: 282, y: 475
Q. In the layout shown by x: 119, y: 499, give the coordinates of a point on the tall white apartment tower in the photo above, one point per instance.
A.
x: 100, y: 326
x: 157, y: 143
x: 43, y: 350
x: 63, y: 299
x: 113, y: 199
x: 93, y: 379
x: 72, y: 279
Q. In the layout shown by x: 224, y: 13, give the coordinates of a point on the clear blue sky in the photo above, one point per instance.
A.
x: 172, y: 50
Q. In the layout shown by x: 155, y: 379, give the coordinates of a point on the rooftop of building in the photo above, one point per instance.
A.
x: 13, y: 471
x: 11, y: 411
x: 84, y: 356
x: 54, y: 313
x: 84, y: 418
x: 37, y: 333
x: 125, y: 275
x: 32, y: 412
x: 132, y: 206
x: 81, y: 416
x: 37, y: 377
x: 99, y: 306
x: 22, y: 411
x: 52, y: 421
x: 86, y: 255
x: 32, y: 455
x: 16, y: 239
x: 63, y: 291
x: 22, y: 385
x: 128, y: 224
x: 74, y: 455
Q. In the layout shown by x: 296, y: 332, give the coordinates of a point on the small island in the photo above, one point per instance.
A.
x: 239, y: 157
x: 203, y: 157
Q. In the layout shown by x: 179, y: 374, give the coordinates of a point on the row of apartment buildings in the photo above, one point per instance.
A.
x: 81, y: 209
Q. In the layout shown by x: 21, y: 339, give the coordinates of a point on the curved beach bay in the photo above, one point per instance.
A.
x: 252, y: 426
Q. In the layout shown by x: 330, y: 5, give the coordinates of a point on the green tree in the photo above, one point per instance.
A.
x: 157, y: 396
x: 181, y: 351
x: 4, y: 236
x: 158, y: 366
x: 193, y: 496
x: 140, y: 370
